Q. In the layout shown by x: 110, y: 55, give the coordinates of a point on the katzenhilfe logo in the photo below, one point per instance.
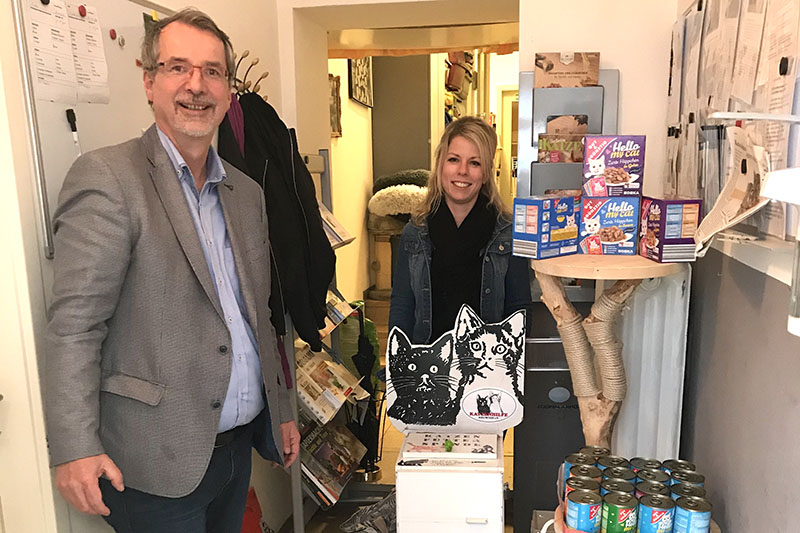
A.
x: 489, y: 405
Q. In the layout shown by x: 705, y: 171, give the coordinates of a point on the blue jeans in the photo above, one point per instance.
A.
x: 215, y: 506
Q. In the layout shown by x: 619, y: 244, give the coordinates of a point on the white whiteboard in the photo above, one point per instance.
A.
x: 126, y: 115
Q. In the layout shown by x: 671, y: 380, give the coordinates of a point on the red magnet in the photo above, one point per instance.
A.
x: 112, y: 33
x: 82, y: 10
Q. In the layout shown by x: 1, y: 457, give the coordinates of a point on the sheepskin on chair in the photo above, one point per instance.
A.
x: 397, y: 200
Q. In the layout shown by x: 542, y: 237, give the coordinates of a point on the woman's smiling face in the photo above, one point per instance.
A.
x: 462, y: 173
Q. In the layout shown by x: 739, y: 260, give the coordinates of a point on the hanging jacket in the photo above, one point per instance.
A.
x: 301, y: 253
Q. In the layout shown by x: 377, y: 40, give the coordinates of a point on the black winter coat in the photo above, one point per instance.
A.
x: 303, y: 262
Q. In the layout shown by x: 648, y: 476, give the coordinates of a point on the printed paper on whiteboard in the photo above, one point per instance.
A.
x: 91, y: 69
x: 748, y: 46
x: 50, y: 52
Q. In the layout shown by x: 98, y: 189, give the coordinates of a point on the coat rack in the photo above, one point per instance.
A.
x: 242, y: 84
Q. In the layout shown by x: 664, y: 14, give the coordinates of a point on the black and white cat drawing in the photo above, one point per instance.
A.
x: 424, y: 379
x: 484, y: 348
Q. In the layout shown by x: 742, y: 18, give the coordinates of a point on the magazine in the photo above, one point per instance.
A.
x: 324, y: 385
x: 337, y: 234
x: 337, y: 310
x: 329, y: 454
x: 741, y: 195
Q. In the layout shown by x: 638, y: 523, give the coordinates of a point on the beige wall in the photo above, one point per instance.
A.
x: 503, y: 71
x: 351, y: 172
x: 632, y: 36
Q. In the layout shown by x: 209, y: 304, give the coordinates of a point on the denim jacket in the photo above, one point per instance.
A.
x: 505, y: 283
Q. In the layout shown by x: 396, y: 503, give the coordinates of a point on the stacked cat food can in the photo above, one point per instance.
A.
x: 613, y: 176
x: 605, y: 493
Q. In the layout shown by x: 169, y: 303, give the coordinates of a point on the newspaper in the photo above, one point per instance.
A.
x: 324, y: 385
x: 741, y: 196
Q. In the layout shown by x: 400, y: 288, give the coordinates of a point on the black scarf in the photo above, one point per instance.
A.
x: 456, y: 262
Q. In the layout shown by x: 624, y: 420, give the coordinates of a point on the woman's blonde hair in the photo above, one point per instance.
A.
x: 484, y: 138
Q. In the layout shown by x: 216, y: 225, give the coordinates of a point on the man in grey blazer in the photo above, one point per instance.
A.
x: 162, y: 369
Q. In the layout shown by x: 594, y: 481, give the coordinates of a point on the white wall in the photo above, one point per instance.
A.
x: 632, y: 36
x: 251, y: 25
x: 503, y: 71
x: 351, y: 172
x: 26, y: 498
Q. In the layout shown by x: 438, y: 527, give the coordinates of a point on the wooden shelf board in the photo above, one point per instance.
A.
x: 612, y: 267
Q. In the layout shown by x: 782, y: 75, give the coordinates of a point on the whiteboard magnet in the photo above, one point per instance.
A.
x: 121, y: 41
x: 112, y: 33
x: 45, y: 2
x: 82, y: 10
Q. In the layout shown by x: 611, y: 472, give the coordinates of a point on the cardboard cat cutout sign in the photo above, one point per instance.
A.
x: 471, y: 379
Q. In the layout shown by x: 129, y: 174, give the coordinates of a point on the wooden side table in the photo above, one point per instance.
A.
x: 592, y: 348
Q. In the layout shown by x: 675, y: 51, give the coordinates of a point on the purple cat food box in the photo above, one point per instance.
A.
x: 668, y: 226
x: 608, y: 226
x: 613, y: 166
x: 545, y: 226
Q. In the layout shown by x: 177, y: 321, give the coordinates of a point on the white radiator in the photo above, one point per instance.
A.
x: 653, y: 330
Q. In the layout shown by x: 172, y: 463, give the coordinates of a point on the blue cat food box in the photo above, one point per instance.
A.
x: 545, y: 226
x: 613, y: 166
x: 667, y: 228
x: 609, y: 226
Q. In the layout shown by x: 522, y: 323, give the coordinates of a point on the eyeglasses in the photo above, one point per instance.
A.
x: 181, y: 70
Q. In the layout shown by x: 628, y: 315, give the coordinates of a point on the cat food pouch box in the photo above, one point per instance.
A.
x: 667, y: 228
x: 545, y: 226
x: 609, y: 226
x: 613, y: 165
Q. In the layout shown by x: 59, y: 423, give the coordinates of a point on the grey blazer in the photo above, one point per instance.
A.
x: 138, y: 356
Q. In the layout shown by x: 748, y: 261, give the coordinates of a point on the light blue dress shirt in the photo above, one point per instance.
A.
x: 244, y: 399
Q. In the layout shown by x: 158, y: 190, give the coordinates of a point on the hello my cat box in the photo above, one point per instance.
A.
x: 613, y: 166
x: 609, y: 226
x: 545, y: 226
x: 470, y: 380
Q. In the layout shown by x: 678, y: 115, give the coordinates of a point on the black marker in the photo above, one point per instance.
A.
x: 73, y: 125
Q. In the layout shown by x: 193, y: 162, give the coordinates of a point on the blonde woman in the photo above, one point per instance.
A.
x: 457, y: 247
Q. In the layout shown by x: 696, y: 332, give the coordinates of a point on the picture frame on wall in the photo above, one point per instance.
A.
x: 360, y: 80
x: 334, y: 84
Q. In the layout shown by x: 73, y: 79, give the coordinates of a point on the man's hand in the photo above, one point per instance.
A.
x: 291, y: 442
x: 77, y: 482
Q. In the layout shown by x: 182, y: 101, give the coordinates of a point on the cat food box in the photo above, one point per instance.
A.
x: 566, y: 69
x: 560, y: 148
x: 545, y: 226
x: 608, y: 226
x: 613, y: 166
x: 667, y: 228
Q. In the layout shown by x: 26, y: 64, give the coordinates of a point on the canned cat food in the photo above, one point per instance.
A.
x: 618, y: 472
x: 616, y: 485
x: 576, y: 459
x: 581, y: 483
x: 637, y: 463
x: 595, y: 451
x: 651, y: 488
x: 609, y: 461
x: 619, y: 513
x: 586, y: 471
x: 684, y: 489
x: 692, y: 515
x: 677, y: 464
x: 656, y: 514
x: 583, y: 511
x: 659, y: 476
x: 693, y: 478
